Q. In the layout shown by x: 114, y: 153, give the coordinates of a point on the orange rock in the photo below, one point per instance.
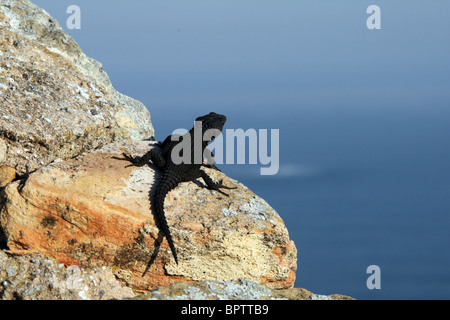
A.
x: 93, y: 211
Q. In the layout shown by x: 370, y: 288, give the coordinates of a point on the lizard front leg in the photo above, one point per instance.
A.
x: 153, y: 155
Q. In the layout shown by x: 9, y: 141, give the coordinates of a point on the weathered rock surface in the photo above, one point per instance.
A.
x: 93, y: 211
x: 36, y: 277
x: 55, y: 101
x: 237, y: 289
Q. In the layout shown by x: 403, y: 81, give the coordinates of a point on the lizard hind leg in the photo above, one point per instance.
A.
x: 215, y: 185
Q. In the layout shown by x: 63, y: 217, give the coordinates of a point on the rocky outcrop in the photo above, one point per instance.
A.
x: 93, y: 211
x: 56, y: 102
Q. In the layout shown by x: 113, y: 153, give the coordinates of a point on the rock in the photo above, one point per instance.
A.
x: 36, y: 277
x: 94, y: 211
x: 7, y: 174
x: 237, y: 289
x: 56, y: 101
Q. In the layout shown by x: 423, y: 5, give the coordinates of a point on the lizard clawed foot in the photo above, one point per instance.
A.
x: 135, y: 161
x: 220, y: 185
x: 211, y: 166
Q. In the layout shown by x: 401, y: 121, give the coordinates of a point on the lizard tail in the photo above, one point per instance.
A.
x: 167, y: 183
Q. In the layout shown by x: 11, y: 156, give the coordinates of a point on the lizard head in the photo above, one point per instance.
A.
x: 212, y: 120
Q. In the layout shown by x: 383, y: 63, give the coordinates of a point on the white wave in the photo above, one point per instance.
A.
x: 298, y: 170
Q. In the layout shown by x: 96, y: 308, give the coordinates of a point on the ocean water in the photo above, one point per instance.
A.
x: 366, y: 191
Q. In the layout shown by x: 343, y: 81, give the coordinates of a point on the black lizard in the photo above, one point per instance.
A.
x: 166, y: 159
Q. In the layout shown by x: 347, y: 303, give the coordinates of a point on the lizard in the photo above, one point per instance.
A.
x: 173, y: 172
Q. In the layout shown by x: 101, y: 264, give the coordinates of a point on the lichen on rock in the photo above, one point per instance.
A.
x: 36, y: 277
